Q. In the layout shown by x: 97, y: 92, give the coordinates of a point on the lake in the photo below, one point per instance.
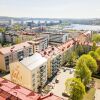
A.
x: 84, y: 27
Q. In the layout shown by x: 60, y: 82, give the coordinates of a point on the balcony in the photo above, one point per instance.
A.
x: 30, y: 54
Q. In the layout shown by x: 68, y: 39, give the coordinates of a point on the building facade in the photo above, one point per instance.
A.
x: 31, y: 72
x: 13, y: 53
x: 39, y: 44
x: 57, y: 37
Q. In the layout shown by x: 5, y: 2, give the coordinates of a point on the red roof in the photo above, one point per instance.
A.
x: 54, y: 50
x: 11, y: 90
x: 14, y: 48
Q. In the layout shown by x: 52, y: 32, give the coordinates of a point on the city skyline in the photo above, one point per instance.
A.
x: 50, y: 8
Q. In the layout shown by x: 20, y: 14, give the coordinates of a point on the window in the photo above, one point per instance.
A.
x: 20, y: 55
x: 30, y: 51
x: 7, y: 62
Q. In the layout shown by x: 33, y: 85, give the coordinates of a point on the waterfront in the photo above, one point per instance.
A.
x: 83, y: 27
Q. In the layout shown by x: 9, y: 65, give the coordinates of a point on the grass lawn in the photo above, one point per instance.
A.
x: 90, y: 94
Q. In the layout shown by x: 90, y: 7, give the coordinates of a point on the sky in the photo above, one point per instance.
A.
x: 50, y: 8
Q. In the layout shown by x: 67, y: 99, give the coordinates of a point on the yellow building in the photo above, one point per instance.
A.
x: 31, y: 72
x: 52, y: 54
x: 13, y: 53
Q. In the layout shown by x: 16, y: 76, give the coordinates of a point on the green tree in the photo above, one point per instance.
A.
x: 75, y: 88
x: 2, y: 29
x: 79, y: 50
x: 96, y: 38
x: 94, y: 55
x: 83, y: 72
x: 85, y: 49
x: 98, y: 51
x: 89, y: 61
x: 18, y: 40
x: 94, y: 47
x: 17, y: 27
x: 72, y: 59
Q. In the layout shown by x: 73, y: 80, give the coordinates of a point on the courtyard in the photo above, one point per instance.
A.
x: 58, y: 87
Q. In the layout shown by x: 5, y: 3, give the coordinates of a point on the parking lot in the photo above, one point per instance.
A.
x: 59, y: 88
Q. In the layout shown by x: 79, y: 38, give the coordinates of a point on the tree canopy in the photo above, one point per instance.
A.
x: 96, y: 38
x: 2, y: 29
x: 94, y: 54
x: 83, y: 72
x: 98, y: 51
x: 94, y: 47
x: 75, y: 88
x: 72, y: 59
x: 89, y: 61
x: 79, y: 50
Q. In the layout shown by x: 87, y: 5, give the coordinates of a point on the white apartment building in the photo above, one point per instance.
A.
x: 31, y: 72
x: 13, y: 53
x: 57, y: 37
x: 39, y: 43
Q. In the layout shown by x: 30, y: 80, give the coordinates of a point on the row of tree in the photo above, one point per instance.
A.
x: 73, y: 56
x: 86, y: 65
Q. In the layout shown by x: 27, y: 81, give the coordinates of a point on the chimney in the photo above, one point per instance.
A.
x: 52, y: 48
x: 11, y: 50
x: 45, y: 52
x: 49, y: 52
x: 51, y: 94
x: 63, y: 49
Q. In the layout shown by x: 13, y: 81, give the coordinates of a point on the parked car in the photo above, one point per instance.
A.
x: 71, y: 71
x: 57, y: 81
x: 65, y: 94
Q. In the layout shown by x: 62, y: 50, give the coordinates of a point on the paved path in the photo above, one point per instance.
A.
x: 97, y: 94
x: 97, y: 86
x: 60, y: 87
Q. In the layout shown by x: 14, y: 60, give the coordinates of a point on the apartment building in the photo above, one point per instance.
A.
x: 39, y: 43
x: 65, y: 50
x: 18, y: 37
x: 57, y: 37
x: 57, y: 56
x: 54, y: 60
x: 13, y: 53
x: 84, y: 37
x: 31, y: 72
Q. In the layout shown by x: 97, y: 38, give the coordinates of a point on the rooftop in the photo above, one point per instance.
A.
x: 15, y: 92
x: 57, y: 33
x: 14, y: 48
x: 12, y: 91
x: 33, y: 61
x: 54, y: 50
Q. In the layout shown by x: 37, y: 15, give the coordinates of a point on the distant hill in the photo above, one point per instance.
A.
x: 85, y: 21
x: 26, y: 18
